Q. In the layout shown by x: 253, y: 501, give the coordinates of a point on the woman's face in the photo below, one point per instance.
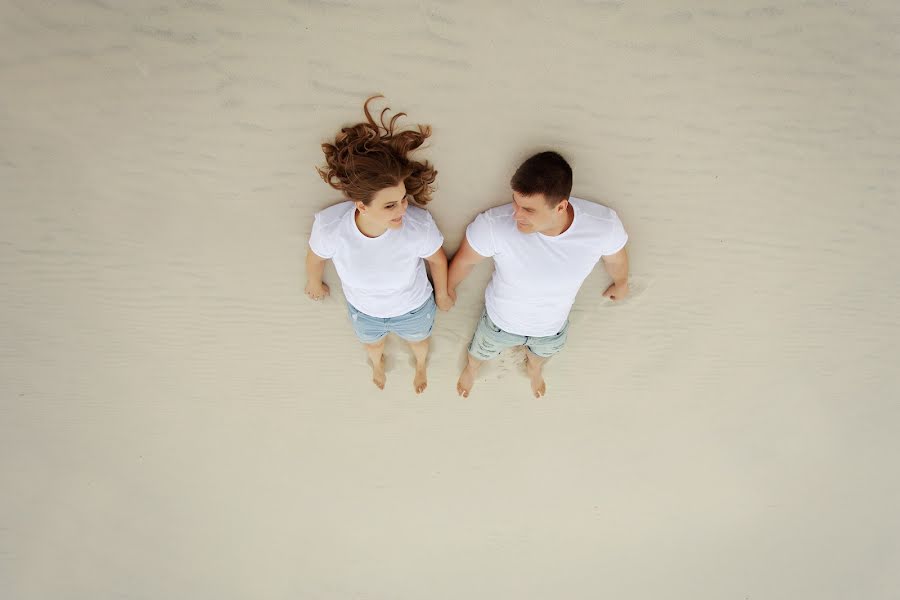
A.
x: 387, y: 207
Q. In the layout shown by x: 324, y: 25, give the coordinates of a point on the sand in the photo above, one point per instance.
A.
x: 178, y: 421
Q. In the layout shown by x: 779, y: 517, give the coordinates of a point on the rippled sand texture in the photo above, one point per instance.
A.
x: 178, y: 421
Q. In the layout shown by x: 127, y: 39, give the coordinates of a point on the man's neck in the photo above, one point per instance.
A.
x: 569, y: 218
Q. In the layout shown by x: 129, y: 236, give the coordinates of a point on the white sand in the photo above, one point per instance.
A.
x: 177, y: 421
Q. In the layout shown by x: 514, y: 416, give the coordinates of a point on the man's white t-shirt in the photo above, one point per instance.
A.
x: 536, y: 277
x: 384, y: 276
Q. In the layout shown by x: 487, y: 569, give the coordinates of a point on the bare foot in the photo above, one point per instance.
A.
x: 378, y: 376
x: 538, y: 387
x: 420, y: 382
x: 465, y: 383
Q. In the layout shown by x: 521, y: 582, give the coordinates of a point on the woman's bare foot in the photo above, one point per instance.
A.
x: 378, y: 376
x: 420, y: 351
x: 465, y: 383
x: 420, y: 382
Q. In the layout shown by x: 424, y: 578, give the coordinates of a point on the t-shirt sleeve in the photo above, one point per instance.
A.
x: 433, y: 239
x: 480, y: 236
x: 617, y: 236
x: 321, y: 240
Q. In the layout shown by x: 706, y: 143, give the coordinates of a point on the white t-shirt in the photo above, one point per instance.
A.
x: 383, y: 276
x: 536, y: 277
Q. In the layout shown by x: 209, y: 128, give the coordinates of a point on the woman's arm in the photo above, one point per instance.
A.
x: 438, y: 264
x: 315, y: 267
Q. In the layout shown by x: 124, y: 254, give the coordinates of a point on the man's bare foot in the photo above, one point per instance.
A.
x: 420, y: 382
x: 537, y: 385
x: 535, y: 374
x: 378, y: 376
x: 465, y: 383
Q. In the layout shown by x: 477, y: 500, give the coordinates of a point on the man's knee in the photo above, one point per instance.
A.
x: 535, y: 358
x: 475, y: 363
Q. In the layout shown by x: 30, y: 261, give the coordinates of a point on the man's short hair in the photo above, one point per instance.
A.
x: 545, y: 173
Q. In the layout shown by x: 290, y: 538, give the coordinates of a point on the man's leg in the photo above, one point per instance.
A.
x: 376, y: 355
x: 487, y: 343
x: 535, y: 366
x: 467, y: 378
x: 420, y: 350
x: 547, y: 346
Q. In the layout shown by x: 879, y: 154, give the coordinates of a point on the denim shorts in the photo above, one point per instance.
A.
x: 489, y: 340
x: 414, y: 326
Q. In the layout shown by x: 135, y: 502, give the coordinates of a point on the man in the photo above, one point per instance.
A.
x: 544, y: 244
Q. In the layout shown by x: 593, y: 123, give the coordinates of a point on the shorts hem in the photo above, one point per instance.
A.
x: 375, y: 341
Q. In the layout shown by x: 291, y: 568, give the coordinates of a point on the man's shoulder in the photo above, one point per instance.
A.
x: 332, y: 215
x: 599, y: 226
x: 497, y: 213
x: 594, y: 211
x: 595, y: 218
x: 498, y: 221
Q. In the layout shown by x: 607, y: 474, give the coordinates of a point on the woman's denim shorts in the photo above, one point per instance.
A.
x: 414, y: 326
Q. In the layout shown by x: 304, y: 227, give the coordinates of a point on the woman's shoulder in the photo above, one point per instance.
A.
x: 418, y: 216
x: 334, y: 213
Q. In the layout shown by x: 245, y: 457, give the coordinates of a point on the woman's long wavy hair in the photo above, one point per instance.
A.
x: 368, y: 157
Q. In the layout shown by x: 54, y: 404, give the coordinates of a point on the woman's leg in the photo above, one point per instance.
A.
x: 420, y: 350
x: 376, y: 355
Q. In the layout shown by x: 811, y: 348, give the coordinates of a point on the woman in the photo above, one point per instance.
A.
x: 379, y: 238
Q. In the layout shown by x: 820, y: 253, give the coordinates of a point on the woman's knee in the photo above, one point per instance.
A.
x: 376, y: 345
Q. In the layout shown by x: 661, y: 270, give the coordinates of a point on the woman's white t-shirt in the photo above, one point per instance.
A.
x: 383, y: 276
x: 536, y: 277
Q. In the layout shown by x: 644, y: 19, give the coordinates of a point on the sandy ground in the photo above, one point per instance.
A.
x: 178, y: 421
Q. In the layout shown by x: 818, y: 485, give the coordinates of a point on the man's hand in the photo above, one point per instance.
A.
x: 317, y: 290
x: 445, y: 301
x: 616, y: 291
x: 617, y: 267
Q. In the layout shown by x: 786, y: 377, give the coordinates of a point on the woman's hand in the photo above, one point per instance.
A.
x: 445, y: 301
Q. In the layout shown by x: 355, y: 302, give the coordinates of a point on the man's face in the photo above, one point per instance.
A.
x: 533, y: 215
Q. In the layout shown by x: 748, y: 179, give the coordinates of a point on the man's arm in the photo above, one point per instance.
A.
x: 438, y: 264
x: 315, y: 267
x: 461, y: 265
x: 617, y: 267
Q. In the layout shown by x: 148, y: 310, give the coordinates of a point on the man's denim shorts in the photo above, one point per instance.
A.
x: 414, y: 326
x: 489, y: 340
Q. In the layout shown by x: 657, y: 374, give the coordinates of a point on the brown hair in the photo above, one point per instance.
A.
x: 545, y: 173
x: 368, y: 157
